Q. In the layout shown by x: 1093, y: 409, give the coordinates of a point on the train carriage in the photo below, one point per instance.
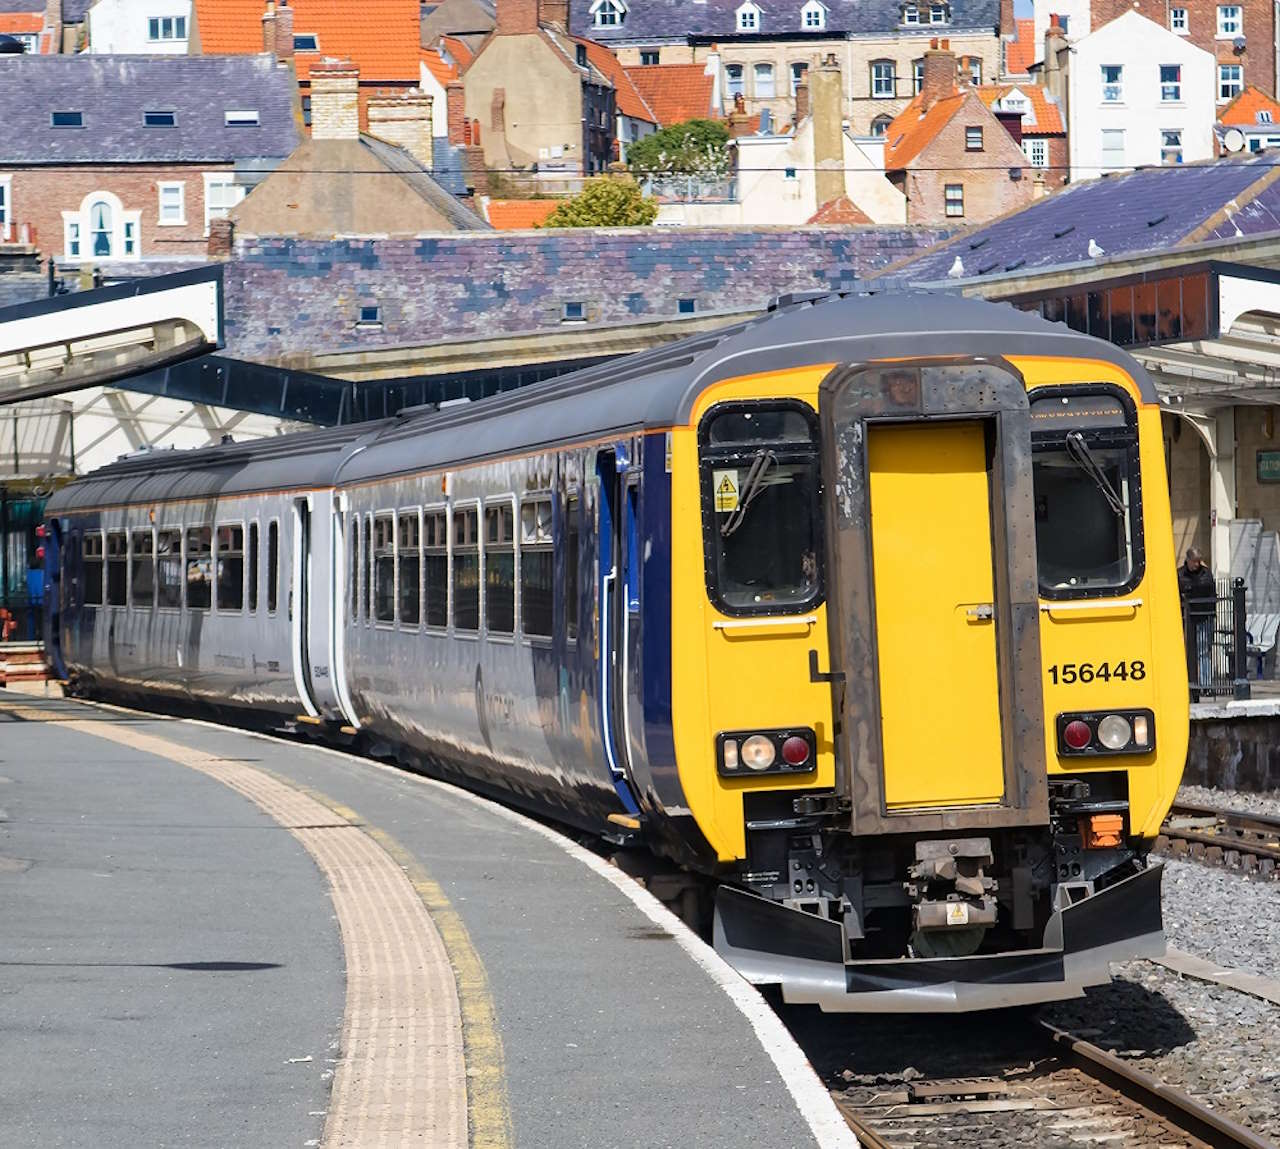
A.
x: 867, y: 608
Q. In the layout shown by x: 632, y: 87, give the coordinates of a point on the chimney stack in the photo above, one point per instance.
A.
x: 403, y: 120
x: 828, y: 131
x: 516, y: 17
x: 456, y: 111
x: 802, y: 100
x: 555, y: 13
x: 284, y: 32
x: 1053, y: 75
x: 335, y: 100
x: 269, y: 28
x: 53, y: 24
x: 939, y: 79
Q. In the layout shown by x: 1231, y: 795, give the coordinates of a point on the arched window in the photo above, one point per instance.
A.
x: 880, y: 125
x: 883, y: 81
x: 100, y: 230
x: 608, y: 13
x: 764, y: 81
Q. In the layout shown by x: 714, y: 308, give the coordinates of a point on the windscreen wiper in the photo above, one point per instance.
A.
x: 751, y: 488
x: 1078, y: 452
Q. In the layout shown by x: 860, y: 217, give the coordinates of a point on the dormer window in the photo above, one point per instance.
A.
x: 305, y: 42
x: 813, y: 16
x: 608, y: 13
x: 911, y: 14
x: 938, y: 14
x: 748, y: 17
x: 1264, y: 116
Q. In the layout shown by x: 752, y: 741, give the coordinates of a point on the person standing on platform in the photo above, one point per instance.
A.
x: 1199, y: 601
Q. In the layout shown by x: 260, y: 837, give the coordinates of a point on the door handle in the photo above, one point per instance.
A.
x: 983, y: 612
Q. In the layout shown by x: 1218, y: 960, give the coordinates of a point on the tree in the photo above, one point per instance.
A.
x: 694, y: 148
x: 604, y: 202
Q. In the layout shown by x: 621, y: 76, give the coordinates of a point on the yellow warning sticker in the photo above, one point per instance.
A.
x: 957, y: 914
x: 725, y: 485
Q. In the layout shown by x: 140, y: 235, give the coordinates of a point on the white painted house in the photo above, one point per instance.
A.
x: 156, y: 27
x: 1138, y: 95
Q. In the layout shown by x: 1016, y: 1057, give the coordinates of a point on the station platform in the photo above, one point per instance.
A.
x: 212, y: 937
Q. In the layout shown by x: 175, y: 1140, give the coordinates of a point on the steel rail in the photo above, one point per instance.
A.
x: 1173, y: 1104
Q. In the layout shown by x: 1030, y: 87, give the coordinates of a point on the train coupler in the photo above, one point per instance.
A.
x: 952, y: 899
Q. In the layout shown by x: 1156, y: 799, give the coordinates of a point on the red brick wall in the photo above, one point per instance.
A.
x: 988, y: 190
x: 1202, y: 15
x: 41, y: 195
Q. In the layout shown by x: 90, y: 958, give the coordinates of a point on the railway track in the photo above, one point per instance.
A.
x: 1067, y: 1093
x: 1249, y: 843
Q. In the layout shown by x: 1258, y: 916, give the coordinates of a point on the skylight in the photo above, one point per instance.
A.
x: 159, y: 119
x: 66, y: 119
x: 241, y: 117
x: 305, y: 42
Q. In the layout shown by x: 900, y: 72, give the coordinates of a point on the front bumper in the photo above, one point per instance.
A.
x: 772, y: 944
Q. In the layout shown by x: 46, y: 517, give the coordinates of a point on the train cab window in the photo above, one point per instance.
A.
x: 435, y: 567
x: 169, y: 569
x: 761, y: 483
x: 499, y: 569
x: 571, y: 559
x: 142, y: 575
x: 273, y: 565
x: 353, y: 567
x: 91, y: 553
x: 537, y: 568
x: 199, y: 567
x: 466, y: 570
x: 1087, y: 491
x: 230, y: 568
x: 384, y: 569
x: 117, y: 567
x: 408, y: 556
x: 253, y: 567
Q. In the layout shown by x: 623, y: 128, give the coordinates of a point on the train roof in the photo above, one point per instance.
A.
x: 651, y: 390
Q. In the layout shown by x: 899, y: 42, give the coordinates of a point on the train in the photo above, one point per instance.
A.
x: 864, y: 609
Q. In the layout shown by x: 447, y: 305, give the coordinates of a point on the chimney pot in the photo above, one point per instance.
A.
x: 939, y: 79
x: 555, y: 13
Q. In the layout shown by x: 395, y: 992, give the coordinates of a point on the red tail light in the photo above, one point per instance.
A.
x: 1077, y: 734
x: 795, y: 751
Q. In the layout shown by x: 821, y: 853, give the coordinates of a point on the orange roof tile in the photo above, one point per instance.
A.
x: 443, y: 72
x: 914, y: 128
x: 1046, y: 115
x: 514, y: 214
x: 842, y: 210
x: 1243, y: 111
x: 675, y: 92
x: 458, y: 50
x: 21, y: 22
x: 1021, y: 52
x: 382, y: 40
x: 630, y: 101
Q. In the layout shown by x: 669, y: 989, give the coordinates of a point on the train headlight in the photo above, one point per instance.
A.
x: 1114, y: 732
x: 746, y: 752
x: 757, y: 752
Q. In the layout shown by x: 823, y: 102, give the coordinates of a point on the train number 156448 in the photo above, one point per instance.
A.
x: 1070, y: 672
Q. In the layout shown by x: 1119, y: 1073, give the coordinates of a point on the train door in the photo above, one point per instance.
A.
x: 346, y: 584
x: 315, y: 582
x: 300, y: 604
x: 619, y: 592
x: 933, y: 604
x: 53, y: 601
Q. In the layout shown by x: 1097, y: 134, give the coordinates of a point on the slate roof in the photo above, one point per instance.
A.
x: 651, y: 20
x: 675, y: 92
x: 380, y: 36
x: 1124, y: 215
x: 28, y: 6
x: 112, y: 92
x: 74, y: 11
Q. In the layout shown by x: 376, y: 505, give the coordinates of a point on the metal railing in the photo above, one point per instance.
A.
x: 1217, y: 643
x: 691, y: 189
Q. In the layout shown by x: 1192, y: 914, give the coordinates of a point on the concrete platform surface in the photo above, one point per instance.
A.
x: 177, y: 943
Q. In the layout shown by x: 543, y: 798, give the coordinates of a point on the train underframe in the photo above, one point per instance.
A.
x: 959, y: 920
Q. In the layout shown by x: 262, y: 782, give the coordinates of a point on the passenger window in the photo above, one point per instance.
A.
x: 91, y: 552
x: 253, y: 567
x: 499, y: 569
x: 408, y: 556
x: 384, y: 569
x: 761, y: 508
x: 273, y: 565
x: 169, y: 569
x: 537, y: 574
x: 435, y: 538
x: 199, y: 567
x: 142, y: 575
x: 466, y: 570
x: 572, y: 558
x: 117, y: 567
x: 230, y: 568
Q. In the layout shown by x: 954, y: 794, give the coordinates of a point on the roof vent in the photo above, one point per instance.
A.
x: 1157, y: 219
x: 1064, y: 231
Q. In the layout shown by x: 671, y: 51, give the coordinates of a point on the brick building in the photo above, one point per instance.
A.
x: 381, y: 39
x: 1034, y: 117
x: 127, y: 158
x: 951, y: 155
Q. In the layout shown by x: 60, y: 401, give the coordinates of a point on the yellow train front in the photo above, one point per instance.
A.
x: 929, y: 695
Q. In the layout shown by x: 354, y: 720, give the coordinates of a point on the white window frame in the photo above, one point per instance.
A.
x: 911, y: 15
x: 1179, y: 22
x: 1230, y: 22
x: 948, y: 202
x: 877, y: 80
x: 177, y: 31
x: 917, y: 75
x: 1037, y: 151
x: 939, y: 14
x: 1171, y: 90
x: 1236, y: 86
x: 126, y: 230
x: 799, y: 73
x: 747, y: 17
x: 763, y: 81
x: 608, y: 13
x: 180, y: 186
x: 735, y: 86
x: 6, y: 207
x: 1103, y: 152
x: 813, y: 16
x: 1112, y: 90
x: 241, y: 118
x: 1167, y: 148
x: 221, y: 211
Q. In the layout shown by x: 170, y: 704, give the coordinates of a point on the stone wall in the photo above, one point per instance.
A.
x: 287, y: 297
x: 1235, y: 754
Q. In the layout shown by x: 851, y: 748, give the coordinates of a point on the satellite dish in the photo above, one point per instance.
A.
x: 1233, y: 140
x: 1238, y: 43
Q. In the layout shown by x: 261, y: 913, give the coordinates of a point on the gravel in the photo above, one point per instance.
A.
x: 1268, y: 804
x: 1223, y: 916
